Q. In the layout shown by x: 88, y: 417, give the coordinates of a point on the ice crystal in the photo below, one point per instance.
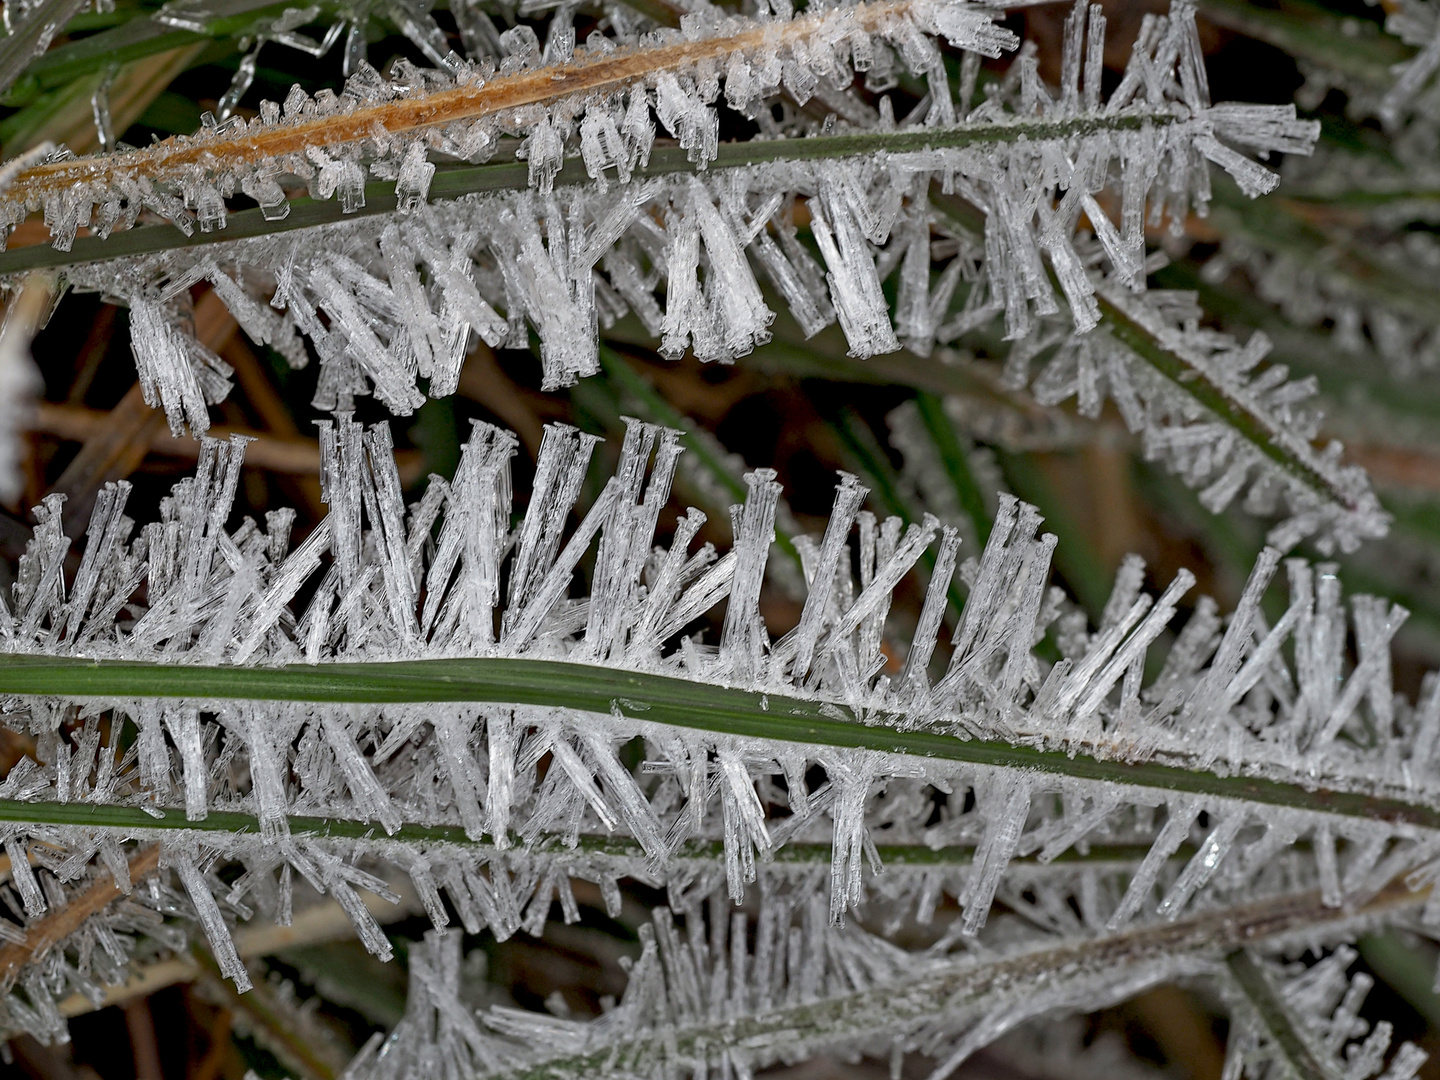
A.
x: 1414, y: 22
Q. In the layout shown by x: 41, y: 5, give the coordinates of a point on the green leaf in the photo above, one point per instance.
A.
x: 1407, y: 970
x: 138, y: 37
x: 957, y: 463
x: 650, y: 698
x: 32, y: 31
x: 1354, y: 47
x: 1296, y: 1058
x: 455, y: 181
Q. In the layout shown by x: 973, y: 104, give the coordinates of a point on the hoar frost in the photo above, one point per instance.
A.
x: 696, y: 240
x: 447, y: 578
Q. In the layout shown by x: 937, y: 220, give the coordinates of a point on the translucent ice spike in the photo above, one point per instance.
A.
x: 184, y: 860
x: 29, y: 33
x: 1008, y: 805
x: 166, y: 368
x: 743, y: 637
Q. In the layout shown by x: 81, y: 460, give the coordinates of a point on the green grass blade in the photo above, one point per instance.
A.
x: 657, y: 699
x: 1355, y: 48
x: 451, y: 182
x: 957, y: 463
x: 1296, y: 1058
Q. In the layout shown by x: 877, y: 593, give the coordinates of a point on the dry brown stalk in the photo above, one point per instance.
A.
x: 483, y: 380
x: 143, y: 1044
x: 260, y: 395
x: 301, y: 1047
x: 286, y: 455
x: 290, y: 455
x: 589, y: 73
x: 62, y: 922
x: 278, y: 429
x: 1173, y: 1017
x: 220, y: 1046
x: 317, y: 924
x: 111, y: 450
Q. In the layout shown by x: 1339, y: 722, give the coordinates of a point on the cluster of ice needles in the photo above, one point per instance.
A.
x: 966, y: 765
x: 626, y: 203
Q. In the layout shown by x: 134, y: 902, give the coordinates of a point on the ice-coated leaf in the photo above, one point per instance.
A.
x: 393, y: 296
x: 1198, y: 781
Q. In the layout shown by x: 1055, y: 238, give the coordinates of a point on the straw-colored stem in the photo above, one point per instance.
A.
x: 588, y: 74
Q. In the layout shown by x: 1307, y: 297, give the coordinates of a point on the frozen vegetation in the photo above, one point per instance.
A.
x: 424, y: 697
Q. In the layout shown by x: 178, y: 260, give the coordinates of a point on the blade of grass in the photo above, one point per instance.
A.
x: 1342, y: 377
x: 35, y: 30
x: 619, y: 851
x: 870, y: 460
x: 967, y: 984
x: 303, y: 1050
x: 1254, y: 428
x: 663, y: 700
x: 1296, y: 1058
x: 1409, y: 971
x: 956, y: 462
x: 139, y: 36
x: 454, y: 181
x: 1270, y: 224
x: 1232, y: 548
x: 1354, y: 47
x: 1298, y: 460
